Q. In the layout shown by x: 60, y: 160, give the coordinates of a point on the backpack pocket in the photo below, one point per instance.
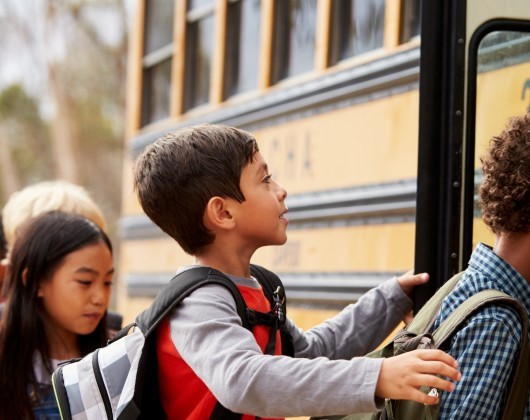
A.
x: 102, y: 384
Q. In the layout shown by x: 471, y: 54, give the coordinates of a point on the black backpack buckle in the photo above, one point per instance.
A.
x: 279, y: 304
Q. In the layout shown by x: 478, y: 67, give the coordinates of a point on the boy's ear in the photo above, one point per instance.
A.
x: 217, y: 214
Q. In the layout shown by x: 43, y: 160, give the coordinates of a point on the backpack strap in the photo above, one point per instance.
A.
x: 181, y: 286
x: 517, y: 397
x: 275, y: 293
x: 173, y: 293
x: 186, y: 282
x: 424, y: 319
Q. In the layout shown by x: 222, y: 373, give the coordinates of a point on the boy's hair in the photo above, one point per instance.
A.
x: 177, y: 175
x: 47, y: 196
x: 505, y: 191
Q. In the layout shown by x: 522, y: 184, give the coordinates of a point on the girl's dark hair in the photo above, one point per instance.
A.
x: 41, y: 245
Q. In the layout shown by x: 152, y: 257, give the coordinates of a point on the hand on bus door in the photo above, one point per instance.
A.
x: 407, y: 282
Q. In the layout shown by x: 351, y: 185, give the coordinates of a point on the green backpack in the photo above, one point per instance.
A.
x: 416, y: 336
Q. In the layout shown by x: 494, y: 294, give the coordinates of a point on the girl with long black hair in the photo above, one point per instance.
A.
x: 58, y: 287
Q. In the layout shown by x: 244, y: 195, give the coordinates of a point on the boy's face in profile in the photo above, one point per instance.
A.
x: 261, y: 217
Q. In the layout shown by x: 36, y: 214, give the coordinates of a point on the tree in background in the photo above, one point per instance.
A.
x: 24, y: 141
x: 63, y: 115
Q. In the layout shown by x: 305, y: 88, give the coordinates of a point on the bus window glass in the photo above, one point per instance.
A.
x: 195, y: 4
x: 294, y: 38
x: 357, y: 26
x: 158, y: 24
x: 242, y: 46
x: 199, y: 49
x: 410, y: 20
x: 156, y: 63
x: 156, y: 88
x: 503, y: 90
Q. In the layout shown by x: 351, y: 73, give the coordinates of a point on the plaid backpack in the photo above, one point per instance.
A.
x: 120, y: 381
x: 416, y: 336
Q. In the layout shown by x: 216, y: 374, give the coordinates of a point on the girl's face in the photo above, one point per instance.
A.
x: 77, y: 295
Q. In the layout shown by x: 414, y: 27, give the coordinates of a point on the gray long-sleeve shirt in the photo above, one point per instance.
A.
x: 325, y: 377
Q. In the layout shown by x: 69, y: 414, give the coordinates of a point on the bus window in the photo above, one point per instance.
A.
x: 294, y: 38
x: 200, y: 22
x: 341, y: 137
x: 158, y: 47
x: 242, y: 46
x: 410, y: 20
x: 502, y: 90
x: 358, y: 26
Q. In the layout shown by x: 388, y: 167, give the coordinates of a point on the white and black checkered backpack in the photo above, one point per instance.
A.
x: 119, y: 381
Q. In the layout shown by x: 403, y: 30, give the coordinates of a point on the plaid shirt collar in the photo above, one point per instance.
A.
x: 486, y: 270
x: 489, y: 271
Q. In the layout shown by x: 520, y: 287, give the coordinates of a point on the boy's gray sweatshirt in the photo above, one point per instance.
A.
x: 327, y: 376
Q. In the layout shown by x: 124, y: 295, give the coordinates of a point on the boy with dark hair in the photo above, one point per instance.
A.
x: 487, y: 345
x: 210, y: 189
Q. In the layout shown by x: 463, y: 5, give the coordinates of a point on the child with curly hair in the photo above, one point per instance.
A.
x: 487, y: 345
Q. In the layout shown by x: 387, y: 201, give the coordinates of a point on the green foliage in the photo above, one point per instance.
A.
x: 26, y: 134
x: 83, y: 93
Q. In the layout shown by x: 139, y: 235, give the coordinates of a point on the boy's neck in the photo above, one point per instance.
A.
x: 232, y: 263
x: 514, y: 248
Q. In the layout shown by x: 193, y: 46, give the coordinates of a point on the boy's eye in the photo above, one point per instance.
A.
x: 108, y: 283
x: 267, y: 179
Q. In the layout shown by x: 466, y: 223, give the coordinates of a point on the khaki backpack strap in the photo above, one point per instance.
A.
x: 518, y: 394
x: 424, y: 319
x: 464, y: 310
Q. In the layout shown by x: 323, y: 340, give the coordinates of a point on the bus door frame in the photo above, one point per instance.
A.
x: 438, y: 244
x: 447, y: 126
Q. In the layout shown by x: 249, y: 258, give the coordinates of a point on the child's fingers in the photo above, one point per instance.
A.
x: 434, y: 382
x: 404, y: 374
x: 417, y: 279
x: 437, y: 362
x: 439, y: 368
x: 409, y: 280
x: 421, y: 397
x: 430, y: 400
x: 439, y: 355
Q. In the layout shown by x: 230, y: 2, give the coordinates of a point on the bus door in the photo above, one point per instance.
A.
x: 474, y: 75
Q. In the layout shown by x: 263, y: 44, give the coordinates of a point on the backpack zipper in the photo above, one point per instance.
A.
x: 101, y: 385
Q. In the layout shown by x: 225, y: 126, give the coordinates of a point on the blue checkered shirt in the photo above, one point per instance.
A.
x: 486, y: 345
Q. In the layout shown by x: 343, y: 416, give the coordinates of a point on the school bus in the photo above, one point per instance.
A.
x: 372, y: 114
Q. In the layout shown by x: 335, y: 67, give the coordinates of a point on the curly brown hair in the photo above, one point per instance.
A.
x: 504, y: 195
